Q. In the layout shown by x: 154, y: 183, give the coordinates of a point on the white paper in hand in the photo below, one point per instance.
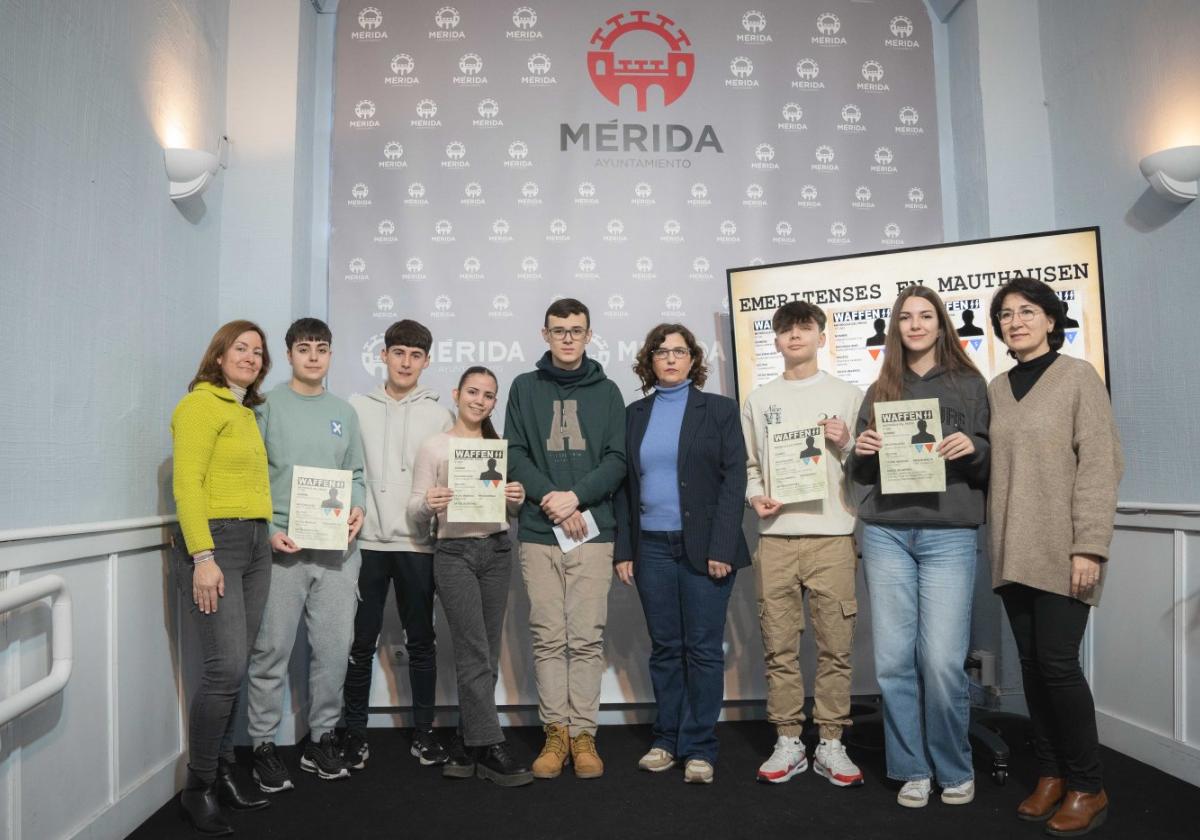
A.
x: 566, y: 544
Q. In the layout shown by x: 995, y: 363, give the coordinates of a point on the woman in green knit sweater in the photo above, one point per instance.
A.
x: 223, y: 498
x: 1056, y: 463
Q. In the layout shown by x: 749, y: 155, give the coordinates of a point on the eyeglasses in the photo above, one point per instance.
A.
x: 1025, y: 314
x: 559, y: 333
x: 663, y: 353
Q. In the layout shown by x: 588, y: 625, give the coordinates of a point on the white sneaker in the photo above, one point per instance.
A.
x: 914, y: 794
x: 656, y: 760
x: 830, y: 760
x: 698, y: 772
x: 959, y: 794
x: 786, y: 760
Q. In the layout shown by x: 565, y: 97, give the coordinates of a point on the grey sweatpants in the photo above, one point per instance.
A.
x: 472, y: 582
x: 320, y: 586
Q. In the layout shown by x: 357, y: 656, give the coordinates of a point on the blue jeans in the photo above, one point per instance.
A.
x: 921, y: 581
x: 685, y: 615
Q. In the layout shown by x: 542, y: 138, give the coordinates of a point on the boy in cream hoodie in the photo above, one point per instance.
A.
x: 395, y: 420
x: 805, y: 547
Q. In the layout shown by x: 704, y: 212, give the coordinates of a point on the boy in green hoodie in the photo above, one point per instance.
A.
x: 565, y: 425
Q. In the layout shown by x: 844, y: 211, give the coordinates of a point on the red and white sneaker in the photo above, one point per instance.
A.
x: 830, y: 760
x: 787, y: 760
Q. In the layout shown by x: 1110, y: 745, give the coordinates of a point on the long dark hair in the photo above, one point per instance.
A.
x: 210, y: 364
x: 948, y: 352
x: 489, y: 431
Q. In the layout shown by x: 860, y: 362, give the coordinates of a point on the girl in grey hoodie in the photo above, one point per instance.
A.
x: 919, y: 550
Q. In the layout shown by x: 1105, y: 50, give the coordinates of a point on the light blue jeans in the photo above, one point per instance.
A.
x: 921, y: 581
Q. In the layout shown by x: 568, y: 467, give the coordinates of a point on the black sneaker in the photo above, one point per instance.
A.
x: 497, y: 764
x: 354, y: 750
x: 324, y: 759
x: 269, y: 772
x: 425, y: 746
x: 460, y: 763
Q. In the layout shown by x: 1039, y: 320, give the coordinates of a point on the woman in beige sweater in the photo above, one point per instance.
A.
x: 1056, y: 463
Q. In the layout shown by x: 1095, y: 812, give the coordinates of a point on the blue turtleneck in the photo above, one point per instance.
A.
x: 660, y: 459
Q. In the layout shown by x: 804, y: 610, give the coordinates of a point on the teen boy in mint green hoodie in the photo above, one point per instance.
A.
x: 303, y: 424
x: 565, y: 426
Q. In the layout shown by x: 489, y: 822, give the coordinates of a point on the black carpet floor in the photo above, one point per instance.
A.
x: 394, y: 798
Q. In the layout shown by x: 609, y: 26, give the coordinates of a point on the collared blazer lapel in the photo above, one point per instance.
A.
x: 639, y: 420
x: 693, y: 419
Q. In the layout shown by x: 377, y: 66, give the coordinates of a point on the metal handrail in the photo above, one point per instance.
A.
x: 60, y: 642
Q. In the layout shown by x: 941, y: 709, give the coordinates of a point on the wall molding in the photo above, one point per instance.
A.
x: 1158, y: 750
x: 138, y: 777
x: 1176, y: 751
x: 29, y: 548
x: 135, y: 804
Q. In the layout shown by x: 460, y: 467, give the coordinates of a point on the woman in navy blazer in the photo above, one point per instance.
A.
x: 679, y: 536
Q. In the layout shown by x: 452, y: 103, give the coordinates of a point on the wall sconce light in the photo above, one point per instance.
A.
x: 1174, y: 173
x: 190, y: 171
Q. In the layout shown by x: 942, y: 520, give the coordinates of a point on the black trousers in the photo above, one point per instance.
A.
x: 1048, y: 629
x: 411, y: 575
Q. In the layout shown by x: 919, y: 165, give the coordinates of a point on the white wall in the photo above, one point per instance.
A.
x: 1058, y: 147
x: 104, y: 754
x: 109, y: 289
x: 109, y: 295
x: 260, y: 246
x: 1142, y: 655
x: 1122, y: 81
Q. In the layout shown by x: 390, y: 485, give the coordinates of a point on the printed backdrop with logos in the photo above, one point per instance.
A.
x: 488, y: 158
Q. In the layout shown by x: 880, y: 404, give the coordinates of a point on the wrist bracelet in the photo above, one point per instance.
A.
x: 202, y: 556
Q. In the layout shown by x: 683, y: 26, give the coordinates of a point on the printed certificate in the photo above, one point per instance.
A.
x: 908, y: 461
x: 796, y: 468
x: 477, y: 470
x: 320, y: 511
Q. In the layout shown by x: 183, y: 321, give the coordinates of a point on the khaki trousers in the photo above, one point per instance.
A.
x: 825, y: 568
x: 568, y: 608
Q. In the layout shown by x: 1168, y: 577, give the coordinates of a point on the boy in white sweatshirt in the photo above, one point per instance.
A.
x: 805, y: 547
x: 395, y: 420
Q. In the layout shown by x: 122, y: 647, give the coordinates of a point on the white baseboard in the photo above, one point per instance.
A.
x: 135, y: 806
x: 610, y: 715
x: 1179, y: 759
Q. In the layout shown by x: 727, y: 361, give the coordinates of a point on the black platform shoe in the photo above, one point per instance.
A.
x: 498, y: 765
x: 461, y: 761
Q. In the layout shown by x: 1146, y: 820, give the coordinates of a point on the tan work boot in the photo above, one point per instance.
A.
x: 587, y: 761
x: 555, y: 753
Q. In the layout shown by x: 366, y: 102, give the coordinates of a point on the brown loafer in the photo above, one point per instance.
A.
x: 1079, y: 813
x: 1040, y: 804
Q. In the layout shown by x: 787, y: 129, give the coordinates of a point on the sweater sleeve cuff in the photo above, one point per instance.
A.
x: 1100, y: 551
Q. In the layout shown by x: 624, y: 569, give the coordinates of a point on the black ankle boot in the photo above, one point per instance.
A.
x: 237, y: 796
x: 201, y: 808
x: 461, y: 761
x: 498, y: 764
